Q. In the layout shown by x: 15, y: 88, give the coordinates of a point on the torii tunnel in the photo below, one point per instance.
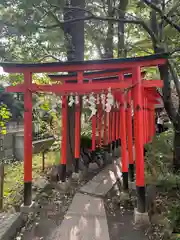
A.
x: 134, y: 93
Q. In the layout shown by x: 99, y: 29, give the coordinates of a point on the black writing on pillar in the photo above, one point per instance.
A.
x: 128, y: 105
x: 138, y: 108
x: 121, y: 105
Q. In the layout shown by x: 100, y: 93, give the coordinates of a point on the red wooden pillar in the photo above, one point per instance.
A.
x: 99, y: 124
x: 146, y: 119
x: 27, y: 140
x: 93, y: 133
x: 78, y: 125
x: 139, y: 149
x: 117, y: 127
x: 113, y: 128
x: 130, y: 137
x: 64, y: 140
x: 77, y: 134
x: 110, y: 131
x: 123, y: 142
x: 105, y: 136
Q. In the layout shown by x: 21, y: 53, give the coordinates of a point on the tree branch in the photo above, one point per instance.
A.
x: 36, y: 25
x: 49, y: 12
x: 131, y: 20
x: 175, y: 51
x: 49, y: 56
x: 162, y: 15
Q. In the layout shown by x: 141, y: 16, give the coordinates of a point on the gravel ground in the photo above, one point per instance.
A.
x: 120, y: 218
x: 54, y: 204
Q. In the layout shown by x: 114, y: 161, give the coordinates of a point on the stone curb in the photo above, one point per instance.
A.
x: 11, y: 225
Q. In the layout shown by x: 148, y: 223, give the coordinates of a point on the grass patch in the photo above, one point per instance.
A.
x: 13, y: 181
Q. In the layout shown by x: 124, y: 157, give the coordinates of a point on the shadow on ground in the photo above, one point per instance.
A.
x: 120, y: 216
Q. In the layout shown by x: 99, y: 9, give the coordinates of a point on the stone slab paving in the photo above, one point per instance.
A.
x: 9, y: 223
x: 102, y: 183
x: 86, y: 217
x: 85, y: 220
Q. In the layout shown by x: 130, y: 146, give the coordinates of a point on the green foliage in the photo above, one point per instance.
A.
x: 4, y: 118
x: 159, y: 158
x: 174, y: 216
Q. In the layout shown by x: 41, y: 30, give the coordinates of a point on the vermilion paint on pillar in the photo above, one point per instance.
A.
x: 110, y: 126
x: 129, y: 128
x: 64, y: 131
x: 105, y: 129
x: 123, y: 133
x: 139, y: 143
x: 27, y: 129
x: 93, y: 132
x: 117, y: 123
x: 113, y: 124
x: 77, y: 130
x: 147, y: 120
x: 99, y: 124
x: 144, y: 119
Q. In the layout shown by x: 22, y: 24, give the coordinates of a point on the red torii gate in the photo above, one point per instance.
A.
x: 139, y: 92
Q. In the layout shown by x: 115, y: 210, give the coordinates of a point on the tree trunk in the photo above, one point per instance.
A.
x: 122, y: 52
x: 74, y: 34
x: 108, y: 45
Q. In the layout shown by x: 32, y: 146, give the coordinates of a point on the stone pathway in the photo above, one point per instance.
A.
x: 101, y: 183
x: 86, y: 217
x: 85, y: 220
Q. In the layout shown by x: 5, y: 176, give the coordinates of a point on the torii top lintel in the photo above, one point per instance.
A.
x: 74, y: 66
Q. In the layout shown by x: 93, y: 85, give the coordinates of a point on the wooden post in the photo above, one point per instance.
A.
x: 139, y: 149
x: 99, y: 124
x: 77, y: 135
x: 110, y: 131
x: 93, y: 133
x: 113, y: 128
x: 63, y: 162
x: 1, y: 185
x: 146, y: 120
x: 105, y: 142
x: 27, y: 140
x: 130, y: 137
x: 117, y: 127
x: 123, y: 142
